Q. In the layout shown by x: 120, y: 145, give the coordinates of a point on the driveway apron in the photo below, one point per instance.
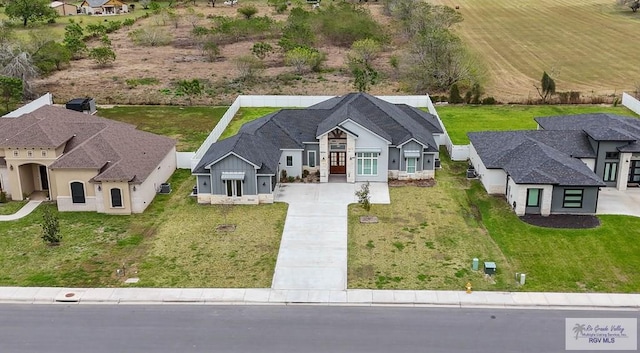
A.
x: 313, y: 249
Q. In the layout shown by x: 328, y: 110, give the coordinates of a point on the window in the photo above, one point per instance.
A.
x: 116, y: 197
x: 43, y: 153
x: 533, y: 197
x: 289, y: 161
x: 29, y: 153
x: 311, y: 159
x: 610, y: 171
x: 16, y: 153
x: 612, y: 155
x: 572, y: 198
x: 77, y: 192
x: 411, y: 165
x: 367, y: 163
x: 234, y: 187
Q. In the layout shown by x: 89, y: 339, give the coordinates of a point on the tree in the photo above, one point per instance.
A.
x: 248, y: 67
x: 103, y: 55
x: 210, y: 49
x: 30, y: 10
x: 365, y: 50
x: 454, y: 95
x: 634, y: 5
x: 73, y: 39
x: 10, y: 91
x: 548, y: 87
x: 302, y: 59
x: 50, y: 227
x: 364, y: 76
x: 51, y: 56
x: 145, y: 4
x: 248, y: 11
x: 18, y: 63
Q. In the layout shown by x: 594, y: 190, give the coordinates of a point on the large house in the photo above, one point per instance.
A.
x: 559, y: 168
x: 83, y: 162
x: 351, y: 138
x: 103, y: 7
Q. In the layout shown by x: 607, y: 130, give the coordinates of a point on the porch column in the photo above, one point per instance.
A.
x: 351, y: 159
x: 324, y: 158
x: 623, y: 171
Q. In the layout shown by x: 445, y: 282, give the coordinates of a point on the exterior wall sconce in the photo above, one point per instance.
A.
x: 99, y: 188
x: 418, y: 160
x: 323, y: 158
x: 264, y: 183
x: 134, y: 188
x: 204, y: 183
x: 393, y: 161
x: 11, y: 167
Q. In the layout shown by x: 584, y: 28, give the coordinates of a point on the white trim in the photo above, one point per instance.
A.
x: 311, y: 143
x: 314, y: 158
x: 376, y: 157
x: 84, y: 191
x: 208, y: 166
x: 292, y: 149
x: 412, y: 154
x: 232, y: 176
x: 355, y: 123
x: 369, y: 149
x: 111, y: 199
x: 343, y: 129
x: 414, y: 140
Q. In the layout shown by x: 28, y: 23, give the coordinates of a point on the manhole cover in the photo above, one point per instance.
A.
x: 69, y: 295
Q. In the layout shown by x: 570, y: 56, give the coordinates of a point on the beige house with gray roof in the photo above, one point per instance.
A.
x: 83, y: 162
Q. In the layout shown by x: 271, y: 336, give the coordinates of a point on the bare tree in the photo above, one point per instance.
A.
x: 17, y: 63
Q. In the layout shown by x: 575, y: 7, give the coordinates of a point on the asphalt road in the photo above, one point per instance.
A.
x: 197, y: 328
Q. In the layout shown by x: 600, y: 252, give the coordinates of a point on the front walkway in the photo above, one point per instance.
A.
x: 313, y: 249
x: 24, y: 211
x: 614, y: 201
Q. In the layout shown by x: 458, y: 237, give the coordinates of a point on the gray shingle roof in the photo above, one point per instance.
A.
x: 538, y: 157
x: 255, y: 149
x: 119, y: 150
x: 600, y: 126
x: 291, y: 128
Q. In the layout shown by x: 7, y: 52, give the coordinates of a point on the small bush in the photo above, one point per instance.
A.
x: 150, y: 37
x: 248, y: 11
x: 454, y: 95
x: 3, y: 197
x: 200, y: 31
x: 103, y: 56
x: 248, y: 66
x: 113, y: 26
x: 305, y: 173
x: 128, y: 22
x: 210, y: 50
x: 364, y: 197
x: 489, y: 101
x: 134, y: 82
x: 50, y: 227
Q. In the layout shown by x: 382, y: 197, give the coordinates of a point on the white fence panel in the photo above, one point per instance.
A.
x: 183, y: 159
x: 630, y: 102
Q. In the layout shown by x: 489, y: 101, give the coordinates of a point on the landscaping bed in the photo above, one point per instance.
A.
x: 562, y: 221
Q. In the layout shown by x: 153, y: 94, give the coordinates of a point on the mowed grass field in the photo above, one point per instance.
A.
x: 460, y: 119
x: 587, y: 43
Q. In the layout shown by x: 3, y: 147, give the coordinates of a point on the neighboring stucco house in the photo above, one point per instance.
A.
x: 84, y: 162
x: 559, y: 168
x: 63, y: 8
x: 103, y: 7
x: 351, y: 138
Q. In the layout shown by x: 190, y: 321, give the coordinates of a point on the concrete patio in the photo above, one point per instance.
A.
x: 616, y: 202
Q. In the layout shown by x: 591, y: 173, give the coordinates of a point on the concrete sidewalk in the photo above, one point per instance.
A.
x: 265, y: 296
x: 24, y: 211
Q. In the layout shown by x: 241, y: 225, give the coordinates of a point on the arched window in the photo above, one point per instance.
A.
x: 77, y: 192
x: 116, y: 197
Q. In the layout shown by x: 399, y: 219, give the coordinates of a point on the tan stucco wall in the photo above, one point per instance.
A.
x: 25, y: 176
x: 145, y: 192
x: 106, y: 198
x: 60, y: 183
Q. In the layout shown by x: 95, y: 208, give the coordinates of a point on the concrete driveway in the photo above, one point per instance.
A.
x: 613, y: 201
x: 313, y: 249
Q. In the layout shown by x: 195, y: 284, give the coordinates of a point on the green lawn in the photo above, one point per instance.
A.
x: 243, y: 116
x: 173, y: 244
x: 427, y: 237
x: 460, y: 119
x: 190, y: 126
x: 11, y: 207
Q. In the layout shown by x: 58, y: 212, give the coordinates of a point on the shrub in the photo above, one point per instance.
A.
x: 346, y: 23
x: 261, y: 50
x: 3, y: 196
x: 199, y: 31
x: 50, y: 227
x: 210, y: 50
x: 454, y: 95
x: 298, y: 31
x: 113, y: 26
x: 96, y: 29
x: 128, y: 22
x: 103, y: 56
x: 303, y: 59
x: 248, y: 11
x: 489, y: 101
x: 150, y: 37
x: 248, y: 66
x: 235, y: 30
x: 364, y: 197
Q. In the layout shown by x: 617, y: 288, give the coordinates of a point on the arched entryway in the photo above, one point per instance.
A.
x: 34, y: 178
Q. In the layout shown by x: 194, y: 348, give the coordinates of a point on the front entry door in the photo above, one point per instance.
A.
x: 634, y: 171
x: 338, y: 163
x: 44, y: 180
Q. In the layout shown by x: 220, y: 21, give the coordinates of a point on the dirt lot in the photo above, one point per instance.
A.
x: 183, y: 60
